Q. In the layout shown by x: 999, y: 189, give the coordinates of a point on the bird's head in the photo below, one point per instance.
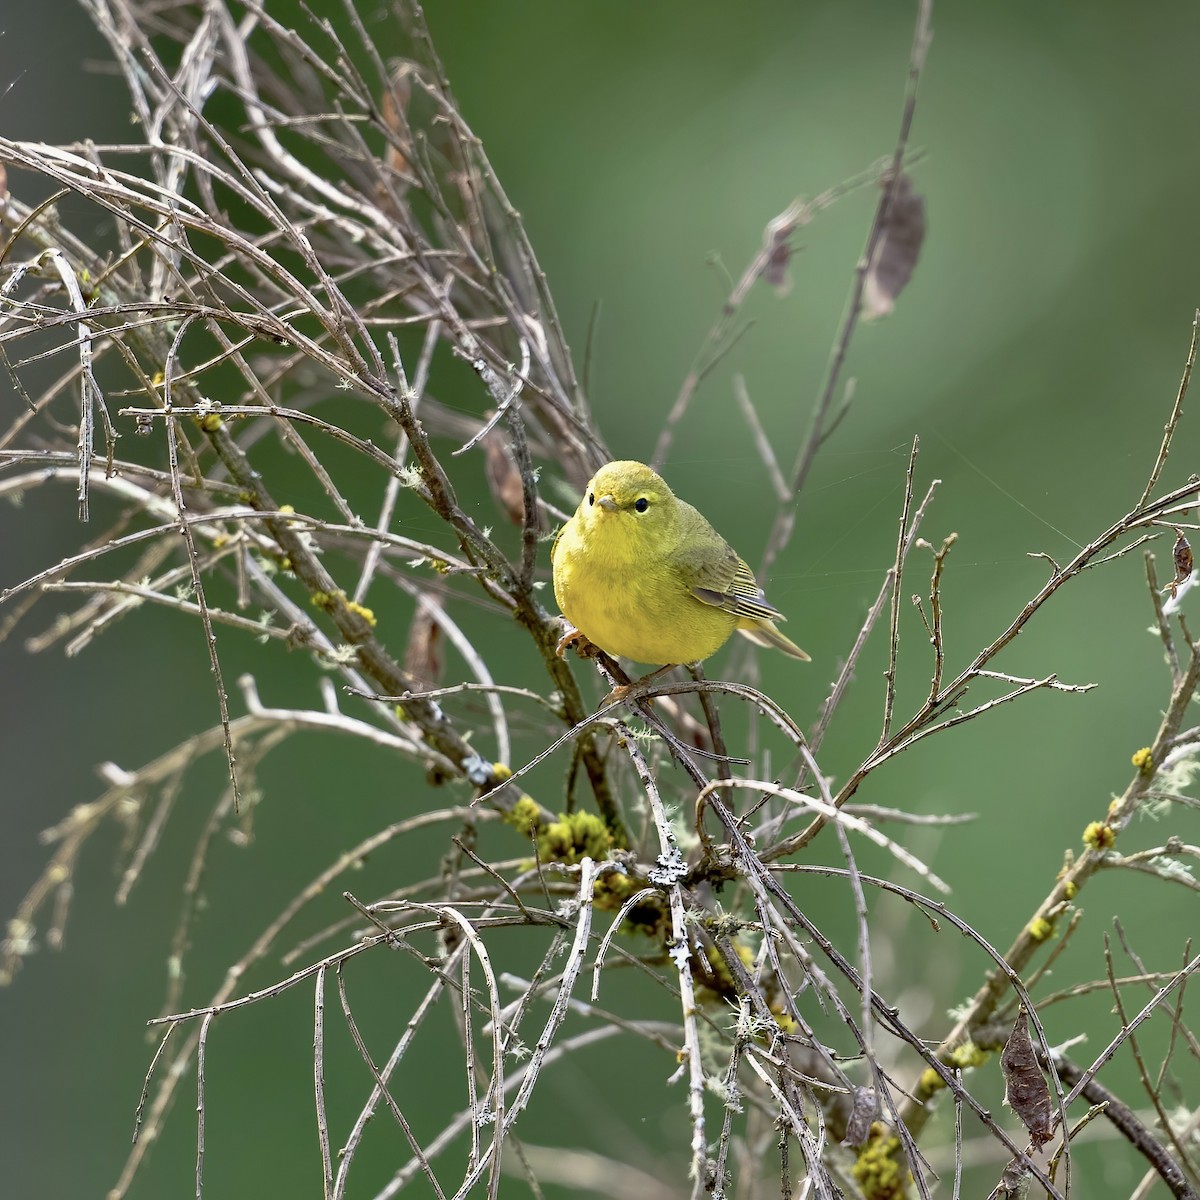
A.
x: 627, y: 503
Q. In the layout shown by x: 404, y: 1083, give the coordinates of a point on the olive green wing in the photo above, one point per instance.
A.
x: 714, y: 574
x: 735, y: 589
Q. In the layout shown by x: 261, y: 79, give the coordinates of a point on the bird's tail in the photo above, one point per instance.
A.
x: 764, y: 633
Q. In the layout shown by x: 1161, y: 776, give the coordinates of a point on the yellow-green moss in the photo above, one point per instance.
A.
x: 968, y: 1055
x: 717, y: 977
x: 612, y: 889
x: 1040, y: 929
x: 963, y: 1057
x: 330, y: 600
x: 363, y: 611
x: 929, y: 1083
x: 1099, y: 836
x: 786, y: 1023
x: 525, y: 816
x: 880, y: 1169
x: 573, y: 837
x: 649, y: 916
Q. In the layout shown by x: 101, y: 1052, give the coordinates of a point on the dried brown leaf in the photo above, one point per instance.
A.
x: 504, y: 476
x: 864, y: 1111
x: 393, y: 108
x: 1185, y: 563
x: 1014, y: 1181
x: 896, y: 252
x: 1025, y: 1089
x: 423, y: 656
x: 778, y: 247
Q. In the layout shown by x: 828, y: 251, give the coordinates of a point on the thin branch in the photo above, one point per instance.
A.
x: 1176, y: 412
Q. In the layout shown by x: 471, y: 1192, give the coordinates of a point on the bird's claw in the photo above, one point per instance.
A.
x: 573, y: 637
x: 568, y: 639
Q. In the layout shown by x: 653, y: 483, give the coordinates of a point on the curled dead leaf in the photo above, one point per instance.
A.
x: 423, y: 660
x: 504, y: 476
x: 393, y: 107
x: 1025, y: 1089
x: 896, y: 252
x: 864, y: 1111
x: 778, y: 248
x: 1184, y: 561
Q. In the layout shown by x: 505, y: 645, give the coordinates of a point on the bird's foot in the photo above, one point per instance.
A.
x: 573, y: 637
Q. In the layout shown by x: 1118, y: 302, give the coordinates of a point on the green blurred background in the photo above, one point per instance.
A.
x: 1036, y: 354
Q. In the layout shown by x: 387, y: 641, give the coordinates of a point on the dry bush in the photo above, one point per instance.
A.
x: 308, y: 240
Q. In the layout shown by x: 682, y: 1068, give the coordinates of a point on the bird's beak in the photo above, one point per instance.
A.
x: 607, y: 503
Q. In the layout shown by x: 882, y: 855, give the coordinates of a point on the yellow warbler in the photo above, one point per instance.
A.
x: 641, y: 574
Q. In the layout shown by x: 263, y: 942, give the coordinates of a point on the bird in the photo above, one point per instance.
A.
x: 642, y: 575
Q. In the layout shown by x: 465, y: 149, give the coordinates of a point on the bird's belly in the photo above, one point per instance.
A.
x: 641, y: 613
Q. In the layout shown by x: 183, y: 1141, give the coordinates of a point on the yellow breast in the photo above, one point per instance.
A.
x: 640, y: 610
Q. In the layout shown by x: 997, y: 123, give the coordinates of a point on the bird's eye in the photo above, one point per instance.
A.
x: 591, y: 497
x: 641, y: 504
